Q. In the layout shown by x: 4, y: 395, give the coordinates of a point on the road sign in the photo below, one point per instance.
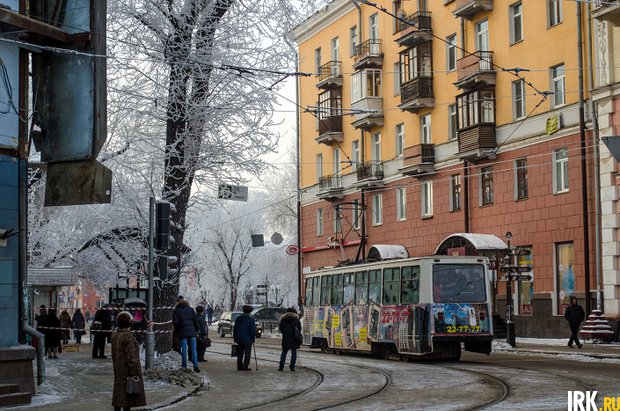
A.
x: 515, y: 269
x: 292, y: 249
x: 521, y: 277
x: 231, y: 192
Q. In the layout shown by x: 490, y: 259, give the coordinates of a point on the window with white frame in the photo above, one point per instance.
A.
x: 330, y: 104
x: 560, y: 170
x: 337, y: 220
x: 425, y: 129
x: 415, y: 62
x: 554, y: 12
x: 355, y: 154
x: 516, y: 23
x: 319, y: 222
x: 400, y: 139
x: 558, y: 82
x: 377, y: 209
x: 353, y: 41
x: 518, y: 99
x: 452, y: 122
x: 375, y: 150
x: 455, y: 192
x: 396, y: 79
x: 482, y: 36
x: 336, y: 157
x: 373, y: 27
x: 451, y: 55
x: 356, y: 214
x: 317, y: 60
x: 486, y: 186
x: 427, y: 198
x: 401, y: 204
x: 475, y: 108
x: 319, y: 167
x: 335, y: 46
x: 365, y: 83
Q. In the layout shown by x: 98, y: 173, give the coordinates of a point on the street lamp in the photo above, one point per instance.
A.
x: 510, y: 326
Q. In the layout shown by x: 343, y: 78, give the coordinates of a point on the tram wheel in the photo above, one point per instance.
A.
x: 385, y: 353
x: 337, y: 351
x: 402, y: 357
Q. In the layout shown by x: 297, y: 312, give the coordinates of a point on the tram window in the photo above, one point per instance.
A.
x: 309, y: 291
x: 337, y: 289
x: 361, y: 287
x: 316, y: 291
x: 374, y: 286
x: 410, y: 285
x: 349, y: 288
x: 326, y: 289
x: 458, y: 283
x: 391, y: 285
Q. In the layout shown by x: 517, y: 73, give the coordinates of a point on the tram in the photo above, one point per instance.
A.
x: 424, y: 306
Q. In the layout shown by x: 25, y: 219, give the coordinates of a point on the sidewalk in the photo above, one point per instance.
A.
x: 559, y: 347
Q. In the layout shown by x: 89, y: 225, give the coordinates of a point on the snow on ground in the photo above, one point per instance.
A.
x: 504, y: 347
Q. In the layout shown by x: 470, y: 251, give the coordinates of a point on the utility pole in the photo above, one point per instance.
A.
x: 150, y: 335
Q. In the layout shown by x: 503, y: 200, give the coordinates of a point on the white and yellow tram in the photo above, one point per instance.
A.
x: 410, y: 307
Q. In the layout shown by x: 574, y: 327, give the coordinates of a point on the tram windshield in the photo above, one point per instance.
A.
x: 458, y: 283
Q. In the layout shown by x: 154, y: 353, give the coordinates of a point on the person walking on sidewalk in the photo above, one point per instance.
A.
x: 65, y: 324
x: 203, y: 333
x: 290, y: 328
x: 575, y: 315
x: 101, y: 328
x: 51, y: 329
x: 209, y: 314
x: 126, y: 364
x: 185, y: 325
x: 78, y: 323
x: 244, y: 334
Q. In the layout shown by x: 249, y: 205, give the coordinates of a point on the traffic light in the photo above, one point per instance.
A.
x: 163, y: 214
x: 167, y: 266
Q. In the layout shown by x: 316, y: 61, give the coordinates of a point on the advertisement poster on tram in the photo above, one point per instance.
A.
x: 460, y: 318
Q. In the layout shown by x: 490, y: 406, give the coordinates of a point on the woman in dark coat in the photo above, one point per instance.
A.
x: 126, y: 363
x: 78, y: 323
x: 51, y: 330
x: 65, y: 324
x: 289, y: 323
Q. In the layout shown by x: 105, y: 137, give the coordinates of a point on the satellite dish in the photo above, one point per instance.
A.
x: 276, y: 238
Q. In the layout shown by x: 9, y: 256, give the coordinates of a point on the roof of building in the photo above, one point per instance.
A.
x: 54, y: 276
x: 478, y: 241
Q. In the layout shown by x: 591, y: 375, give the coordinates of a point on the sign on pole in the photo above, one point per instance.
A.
x: 231, y: 192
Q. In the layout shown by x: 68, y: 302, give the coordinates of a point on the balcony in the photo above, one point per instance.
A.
x: 607, y: 10
x: 330, y: 75
x: 418, y: 31
x: 419, y: 160
x: 477, y: 142
x: 370, y: 113
x: 368, y: 54
x: 416, y: 94
x: 475, y: 70
x: 330, y: 187
x: 469, y: 8
x: 330, y: 130
x: 370, y: 175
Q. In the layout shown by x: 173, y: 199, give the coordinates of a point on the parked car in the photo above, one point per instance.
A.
x: 268, y: 317
x: 227, y: 322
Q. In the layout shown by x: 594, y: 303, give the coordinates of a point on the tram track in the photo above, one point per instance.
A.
x: 502, y: 384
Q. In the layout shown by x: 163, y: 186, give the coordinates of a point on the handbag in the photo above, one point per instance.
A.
x: 133, y: 385
x: 299, y: 338
x: 233, y: 350
x: 207, y: 342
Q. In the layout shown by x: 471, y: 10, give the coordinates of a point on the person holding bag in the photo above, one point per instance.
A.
x: 290, y: 328
x: 128, y: 382
x: 78, y: 323
x: 203, y: 334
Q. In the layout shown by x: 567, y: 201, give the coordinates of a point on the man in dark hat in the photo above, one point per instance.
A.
x: 244, y: 334
x: 575, y: 315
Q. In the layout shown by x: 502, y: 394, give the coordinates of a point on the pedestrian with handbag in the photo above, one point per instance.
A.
x: 128, y: 382
x: 244, y: 334
x: 203, y: 334
x: 290, y: 328
x: 185, y: 323
x: 78, y: 323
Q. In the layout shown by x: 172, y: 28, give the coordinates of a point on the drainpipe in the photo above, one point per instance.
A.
x: 466, y: 195
x: 597, y: 175
x: 359, y: 18
x: 298, y: 187
x: 584, y: 174
x: 363, y: 198
x: 463, y: 48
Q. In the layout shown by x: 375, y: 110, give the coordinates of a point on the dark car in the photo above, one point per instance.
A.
x: 227, y: 322
x: 268, y: 317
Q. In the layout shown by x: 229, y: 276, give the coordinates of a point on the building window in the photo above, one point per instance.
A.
x: 317, y: 61
x: 396, y: 79
x: 486, y: 186
x: 518, y: 99
x: 356, y: 216
x: 521, y: 179
x: 336, y: 156
x: 560, y: 170
x: 401, y: 204
x: 335, y: 51
x: 337, y: 220
x: 319, y: 222
x: 377, y: 209
x: 366, y: 83
x: 475, y: 108
x: 373, y: 27
x: 397, y: 10
x: 482, y: 36
x: 558, y: 82
x: 452, y: 122
x: 400, y: 139
x: 455, y: 192
x: 319, y: 166
x: 415, y: 62
x: 564, y: 274
x: 427, y: 199
x: 353, y: 41
x: 451, y: 52
x: 355, y: 154
x: 330, y: 105
x: 425, y: 129
x: 554, y: 12
x: 516, y: 23
x: 375, y: 153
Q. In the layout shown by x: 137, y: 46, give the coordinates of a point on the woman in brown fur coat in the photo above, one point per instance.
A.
x: 126, y: 363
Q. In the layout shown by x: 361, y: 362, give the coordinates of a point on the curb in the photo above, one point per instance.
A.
x: 176, y: 400
x: 558, y: 353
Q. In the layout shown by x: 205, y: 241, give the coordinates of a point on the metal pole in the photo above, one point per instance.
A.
x: 150, y: 335
x: 510, y: 326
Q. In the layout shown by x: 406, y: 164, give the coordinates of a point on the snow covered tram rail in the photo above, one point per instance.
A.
x: 424, y: 306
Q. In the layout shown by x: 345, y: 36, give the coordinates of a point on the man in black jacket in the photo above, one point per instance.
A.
x: 185, y: 325
x: 101, y: 330
x: 575, y: 315
x: 290, y: 328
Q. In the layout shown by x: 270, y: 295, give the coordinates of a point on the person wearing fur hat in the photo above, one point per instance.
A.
x: 290, y: 328
x: 126, y: 363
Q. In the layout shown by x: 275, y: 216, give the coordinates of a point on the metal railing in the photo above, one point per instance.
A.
x: 370, y: 47
x: 330, y: 182
x: 370, y: 169
x: 421, y: 20
x: 419, y: 87
x: 329, y: 70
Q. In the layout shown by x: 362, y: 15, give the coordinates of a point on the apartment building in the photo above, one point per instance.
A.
x: 452, y: 123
